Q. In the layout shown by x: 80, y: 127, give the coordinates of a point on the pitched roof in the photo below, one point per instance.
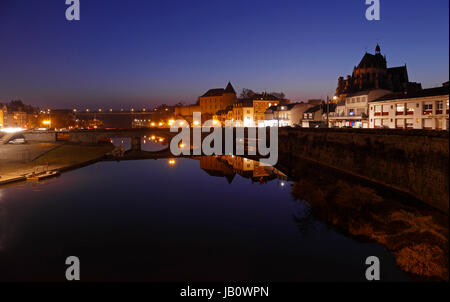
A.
x: 220, y: 91
x: 244, y: 103
x: 229, y: 89
x: 370, y: 60
x: 265, y: 97
x: 436, y: 91
x: 214, y: 92
x: 313, y: 109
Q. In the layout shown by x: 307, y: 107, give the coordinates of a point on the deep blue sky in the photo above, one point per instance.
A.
x: 144, y: 52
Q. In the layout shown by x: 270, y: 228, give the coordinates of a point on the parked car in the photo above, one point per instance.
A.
x: 18, y: 141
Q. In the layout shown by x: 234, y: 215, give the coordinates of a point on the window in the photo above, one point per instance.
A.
x: 439, y: 107
x: 360, y: 111
x: 400, y: 109
x: 409, y: 123
x: 439, y: 123
x: 377, y: 123
x: 400, y: 123
x: 410, y: 109
x: 427, y: 108
x: 385, y: 109
x: 428, y: 123
x: 378, y: 110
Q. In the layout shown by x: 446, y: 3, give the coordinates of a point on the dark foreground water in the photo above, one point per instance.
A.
x: 192, y: 220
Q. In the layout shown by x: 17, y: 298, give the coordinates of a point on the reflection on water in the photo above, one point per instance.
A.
x: 416, y: 234
x: 149, y: 143
x: 228, y: 166
x: 216, y: 218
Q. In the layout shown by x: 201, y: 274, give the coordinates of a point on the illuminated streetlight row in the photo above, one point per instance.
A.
x: 111, y: 110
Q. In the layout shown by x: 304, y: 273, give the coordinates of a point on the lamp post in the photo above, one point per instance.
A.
x: 328, y: 111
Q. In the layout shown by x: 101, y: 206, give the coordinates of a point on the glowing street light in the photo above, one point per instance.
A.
x: 46, y: 122
x: 172, y: 162
x: 11, y: 129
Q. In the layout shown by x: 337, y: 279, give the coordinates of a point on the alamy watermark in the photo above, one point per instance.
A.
x: 373, y: 11
x: 73, y: 11
x: 373, y: 271
x: 73, y: 270
x: 213, y: 143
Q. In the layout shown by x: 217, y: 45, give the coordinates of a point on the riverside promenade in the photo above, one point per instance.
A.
x: 18, y: 160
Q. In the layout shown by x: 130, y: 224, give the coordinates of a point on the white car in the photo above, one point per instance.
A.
x: 18, y: 141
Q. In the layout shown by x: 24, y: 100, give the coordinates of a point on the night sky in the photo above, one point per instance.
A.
x: 144, y: 52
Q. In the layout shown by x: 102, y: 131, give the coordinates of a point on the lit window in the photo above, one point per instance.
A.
x: 439, y: 107
x: 427, y: 108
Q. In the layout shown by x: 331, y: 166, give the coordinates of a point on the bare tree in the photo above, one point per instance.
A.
x: 247, y: 93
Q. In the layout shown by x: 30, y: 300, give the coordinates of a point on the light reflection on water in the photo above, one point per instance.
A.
x: 200, y: 219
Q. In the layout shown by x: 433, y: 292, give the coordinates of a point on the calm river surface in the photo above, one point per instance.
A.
x: 199, y: 219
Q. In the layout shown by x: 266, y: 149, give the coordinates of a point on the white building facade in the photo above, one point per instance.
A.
x: 425, y: 109
x: 354, y: 111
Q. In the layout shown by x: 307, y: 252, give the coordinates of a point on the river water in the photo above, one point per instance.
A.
x: 190, y: 219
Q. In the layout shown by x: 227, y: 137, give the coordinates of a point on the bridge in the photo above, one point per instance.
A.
x: 95, y: 136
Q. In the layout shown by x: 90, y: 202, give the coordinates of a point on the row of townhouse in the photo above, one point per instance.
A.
x: 425, y: 109
x: 379, y: 108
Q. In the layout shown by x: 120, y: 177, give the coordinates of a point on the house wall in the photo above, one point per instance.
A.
x: 386, y: 115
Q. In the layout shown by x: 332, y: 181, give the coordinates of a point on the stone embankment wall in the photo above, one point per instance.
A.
x: 412, y: 161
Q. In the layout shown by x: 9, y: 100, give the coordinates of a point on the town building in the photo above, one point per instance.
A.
x: 424, y: 109
x: 224, y: 115
x: 186, y: 112
x: 243, y: 114
x: 372, y: 73
x: 318, y: 115
x: 259, y: 104
x: 2, y: 115
x: 17, y: 119
x: 217, y: 99
x: 262, y: 102
x: 286, y: 115
x: 353, y: 111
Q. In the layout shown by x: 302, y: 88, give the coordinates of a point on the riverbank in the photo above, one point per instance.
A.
x: 57, y: 157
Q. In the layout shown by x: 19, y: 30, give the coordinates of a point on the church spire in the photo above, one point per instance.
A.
x: 377, y: 49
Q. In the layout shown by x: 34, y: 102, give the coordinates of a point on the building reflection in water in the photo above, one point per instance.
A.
x: 416, y: 234
x: 229, y: 165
